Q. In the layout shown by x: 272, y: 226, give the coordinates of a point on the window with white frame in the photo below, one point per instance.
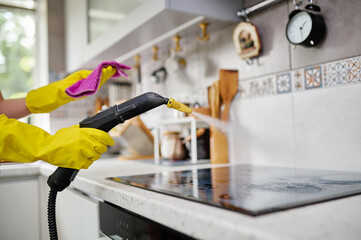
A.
x: 17, y: 47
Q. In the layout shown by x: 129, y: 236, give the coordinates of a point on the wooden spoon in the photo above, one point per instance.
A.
x: 228, y: 87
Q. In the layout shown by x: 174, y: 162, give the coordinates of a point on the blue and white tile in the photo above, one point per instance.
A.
x: 243, y: 87
x: 325, y: 73
x: 269, y: 85
x: 335, y: 73
x: 258, y: 87
x: 313, y: 77
x: 254, y: 88
x: 353, y: 70
x: 342, y: 72
x: 359, y: 61
x: 246, y: 89
x: 297, y: 77
x: 330, y: 74
x: 264, y: 86
x: 283, y: 83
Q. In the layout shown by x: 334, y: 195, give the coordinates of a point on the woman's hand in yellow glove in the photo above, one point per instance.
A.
x: 52, y: 96
x: 71, y: 147
x: 75, y: 147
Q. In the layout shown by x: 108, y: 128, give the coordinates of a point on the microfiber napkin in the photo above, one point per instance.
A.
x: 90, y: 84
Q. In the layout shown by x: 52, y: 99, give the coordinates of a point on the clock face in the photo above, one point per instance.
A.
x: 299, y: 27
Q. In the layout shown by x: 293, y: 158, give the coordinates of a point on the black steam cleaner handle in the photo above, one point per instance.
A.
x: 106, y: 120
x: 62, y: 177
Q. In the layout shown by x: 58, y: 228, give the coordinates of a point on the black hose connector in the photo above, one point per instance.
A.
x: 61, y: 178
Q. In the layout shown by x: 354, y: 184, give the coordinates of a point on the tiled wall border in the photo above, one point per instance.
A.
x: 331, y: 74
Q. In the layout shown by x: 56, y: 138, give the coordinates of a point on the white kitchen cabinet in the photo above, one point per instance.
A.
x: 76, y: 214
x: 19, y: 208
x: 149, y: 23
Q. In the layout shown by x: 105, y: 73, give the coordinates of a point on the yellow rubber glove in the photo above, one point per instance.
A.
x: 71, y: 147
x: 52, y: 96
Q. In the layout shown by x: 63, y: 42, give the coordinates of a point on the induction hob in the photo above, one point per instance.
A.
x: 250, y: 189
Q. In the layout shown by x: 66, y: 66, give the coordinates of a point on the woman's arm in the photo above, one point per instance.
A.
x: 13, y: 108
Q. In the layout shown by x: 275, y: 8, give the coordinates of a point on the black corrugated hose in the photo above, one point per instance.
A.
x: 53, y: 233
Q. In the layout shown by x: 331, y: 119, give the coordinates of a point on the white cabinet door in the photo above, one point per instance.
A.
x: 19, y: 209
x: 76, y: 214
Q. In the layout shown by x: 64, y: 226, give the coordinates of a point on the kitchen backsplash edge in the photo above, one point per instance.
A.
x: 331, y: 74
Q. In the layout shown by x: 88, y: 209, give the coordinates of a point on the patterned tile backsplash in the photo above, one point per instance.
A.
x: 337, y: 73
x: 313, y: 77
x: 283, y: 83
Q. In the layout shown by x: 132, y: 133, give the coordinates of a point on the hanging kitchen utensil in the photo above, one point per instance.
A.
x: 139, y: 74
x: 175, y: 62
x: 176, y: 40
x: 155, y: 53
x: 228, y: 88
x: 159, y: 75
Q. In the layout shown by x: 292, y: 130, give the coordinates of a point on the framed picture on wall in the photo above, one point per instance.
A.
x: 246, y: 40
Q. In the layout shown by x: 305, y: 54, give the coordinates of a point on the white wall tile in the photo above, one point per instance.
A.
x: 262, y: 130
x: 328, y: 129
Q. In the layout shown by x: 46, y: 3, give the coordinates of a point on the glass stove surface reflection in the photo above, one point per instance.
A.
x: 250, y: 189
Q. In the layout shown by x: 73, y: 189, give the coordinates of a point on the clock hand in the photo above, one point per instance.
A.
x: 302, y: 25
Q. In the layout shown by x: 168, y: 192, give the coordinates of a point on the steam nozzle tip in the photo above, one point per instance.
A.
x: 178, y: 106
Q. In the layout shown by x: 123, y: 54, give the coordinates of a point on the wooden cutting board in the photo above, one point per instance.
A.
x: 228, y: 88
x: 218, y: 146
x: 211, y: 96
x: 218, y: 140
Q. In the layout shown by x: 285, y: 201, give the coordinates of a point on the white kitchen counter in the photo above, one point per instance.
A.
x: 337, y: 219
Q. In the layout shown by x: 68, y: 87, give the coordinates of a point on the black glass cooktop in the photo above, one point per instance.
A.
x: 250, y: 189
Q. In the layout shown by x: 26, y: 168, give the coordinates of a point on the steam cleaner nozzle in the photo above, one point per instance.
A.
x: 178, y: 106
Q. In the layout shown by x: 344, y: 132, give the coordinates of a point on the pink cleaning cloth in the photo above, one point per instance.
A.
x: 90, y: 84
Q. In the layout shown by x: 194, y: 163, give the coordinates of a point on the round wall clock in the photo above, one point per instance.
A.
x: 305, y: 28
